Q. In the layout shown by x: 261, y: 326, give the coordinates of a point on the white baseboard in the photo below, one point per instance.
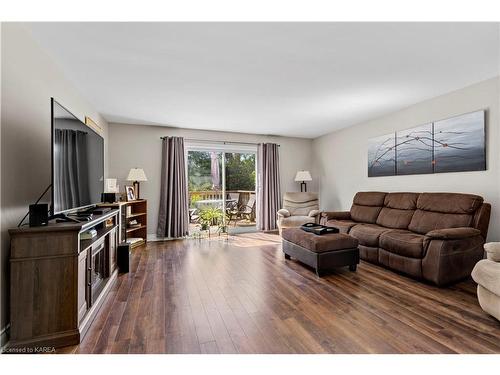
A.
x: 4, y: 337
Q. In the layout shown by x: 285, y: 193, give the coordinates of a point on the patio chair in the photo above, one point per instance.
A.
x: 234, y: 197
x: 248, y: 211
x: 232, y: 212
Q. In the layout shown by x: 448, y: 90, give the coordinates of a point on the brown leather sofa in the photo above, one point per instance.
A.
x: 437, y: 237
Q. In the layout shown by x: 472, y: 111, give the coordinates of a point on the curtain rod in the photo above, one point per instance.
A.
x: 223, y: 142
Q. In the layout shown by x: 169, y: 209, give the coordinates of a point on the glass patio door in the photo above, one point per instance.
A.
x: 221, y: 185
x: 240, y: 183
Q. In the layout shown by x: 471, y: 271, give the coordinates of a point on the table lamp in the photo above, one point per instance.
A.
x: 136, y: 175
x: 302, y: 177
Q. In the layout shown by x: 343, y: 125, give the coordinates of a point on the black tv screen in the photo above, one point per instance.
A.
x: 77, y: 162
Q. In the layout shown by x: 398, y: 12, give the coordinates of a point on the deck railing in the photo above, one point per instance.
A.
x: 242, y: 195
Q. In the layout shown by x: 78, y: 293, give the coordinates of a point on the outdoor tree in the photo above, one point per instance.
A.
x: 199, y: 177
x: 240, y: 171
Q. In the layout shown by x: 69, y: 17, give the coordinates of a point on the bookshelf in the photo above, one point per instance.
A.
x: 131, y: 211
x: 136, y: 221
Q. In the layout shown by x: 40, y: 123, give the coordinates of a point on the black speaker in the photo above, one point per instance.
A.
x: 108, y: 197
x: 39, y: 214
x: 123, y: 257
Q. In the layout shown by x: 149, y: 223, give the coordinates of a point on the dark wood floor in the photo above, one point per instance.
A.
x: 241, y: 296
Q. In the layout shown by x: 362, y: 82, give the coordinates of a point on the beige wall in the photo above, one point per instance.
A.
x: 340, y: 158
x: 140, y: 145
x: 29, y: 79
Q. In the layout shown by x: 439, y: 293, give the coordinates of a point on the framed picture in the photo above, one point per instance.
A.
x: 414, y: 150
x: 382, y: 156
x: 460, y: 143
x: 129, y: 190
x: 456, y: 144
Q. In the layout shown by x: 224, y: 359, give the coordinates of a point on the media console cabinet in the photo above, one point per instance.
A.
x: 59, y: 280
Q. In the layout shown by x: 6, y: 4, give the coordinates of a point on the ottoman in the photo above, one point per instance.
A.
x: 320, y: 252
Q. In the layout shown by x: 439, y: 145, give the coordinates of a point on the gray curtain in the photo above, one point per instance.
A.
x: 269, y: 193
x: 173, y: 217
x: 70, y: 167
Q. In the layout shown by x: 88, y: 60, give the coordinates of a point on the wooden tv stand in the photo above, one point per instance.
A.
x: 59, y: 280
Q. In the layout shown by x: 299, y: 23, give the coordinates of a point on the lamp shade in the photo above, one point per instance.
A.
x: 137, y: 174
x: 303, y: 176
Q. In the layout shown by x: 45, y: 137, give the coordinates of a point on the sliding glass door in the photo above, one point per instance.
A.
x: 240, y: 184
x: 221, y: 182
x: 206, y: 203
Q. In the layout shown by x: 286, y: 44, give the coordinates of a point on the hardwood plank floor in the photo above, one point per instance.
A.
x: 242, y: 296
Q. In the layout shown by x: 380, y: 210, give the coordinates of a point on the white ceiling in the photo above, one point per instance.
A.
x: 290, y: 79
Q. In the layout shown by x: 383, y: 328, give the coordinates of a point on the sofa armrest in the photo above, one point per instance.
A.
x: 314, y: 213
x: 336, y: 215
x: 453, y: 233
x: 492, y: 251
x: 449, y: 260
x: 283, y: 212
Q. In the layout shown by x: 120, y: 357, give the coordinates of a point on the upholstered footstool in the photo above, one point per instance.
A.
x: 324, y: 252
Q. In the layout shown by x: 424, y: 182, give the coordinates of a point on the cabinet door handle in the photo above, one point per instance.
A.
x: 89, y: 283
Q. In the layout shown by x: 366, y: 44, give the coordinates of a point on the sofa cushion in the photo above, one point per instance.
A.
x: 344, y: 226
x: 449, y: 203
x: 403, y: 242
x: 394, y: 218
x: 398, y: 210
x: 368, y: 234
x: 425, y: 221
x: 365, y: 214
x: 366, y: 206
x: 369, y: 198
x: 487, y: 274
x: 401, y: 201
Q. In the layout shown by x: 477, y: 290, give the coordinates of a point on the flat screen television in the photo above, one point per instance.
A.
x: 77, y: 162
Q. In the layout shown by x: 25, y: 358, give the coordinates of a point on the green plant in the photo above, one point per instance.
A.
x: 210, y: 215
x: 195, y: 197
